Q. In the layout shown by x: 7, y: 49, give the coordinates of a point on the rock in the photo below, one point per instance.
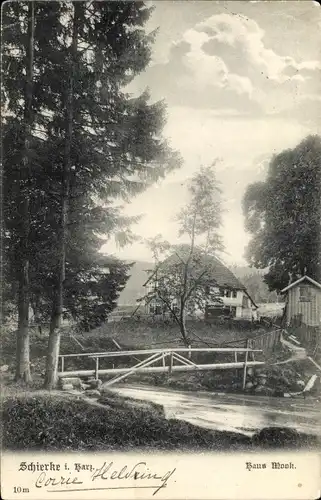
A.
x: 84, y: 387
x: 92, y: 393
x: 74, y: 381
x: 94, y: 384
x: 4, y: 368
x: 286, y: 395
x: 300, y: 383
x: 261, y: 380
x: 264, y: 390
x: 67, y: 387
x: 250, y: 372
x: 249, y: 385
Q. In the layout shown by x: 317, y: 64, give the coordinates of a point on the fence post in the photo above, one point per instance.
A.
x: 245, y: 364
x: 163, y: 360
x: 170, y: 366
x: 251, y: 345
x: 62, y: 363
x: 189, y: 352
x: 97, y: 368
x: 235, y: 359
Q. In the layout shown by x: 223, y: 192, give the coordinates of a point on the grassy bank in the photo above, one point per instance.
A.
x: 44, y: 421
x: 53, y: 423
x: 149, y: 333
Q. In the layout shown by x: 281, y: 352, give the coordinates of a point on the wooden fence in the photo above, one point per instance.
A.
x: 265, y: 342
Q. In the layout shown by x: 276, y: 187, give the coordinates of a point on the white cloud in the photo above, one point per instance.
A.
x: 228, y: 52
x: 210, y: 70
x: 245, y: 35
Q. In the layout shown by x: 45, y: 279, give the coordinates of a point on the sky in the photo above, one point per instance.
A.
x: 242, y: 81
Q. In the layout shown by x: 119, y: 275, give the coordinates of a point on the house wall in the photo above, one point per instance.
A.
x: 239, y: 312
x: 310, y: 309
x: 229, y: 301
x: 242, y: 304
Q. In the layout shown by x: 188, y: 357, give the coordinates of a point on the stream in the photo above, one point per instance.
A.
x: 246, y: 414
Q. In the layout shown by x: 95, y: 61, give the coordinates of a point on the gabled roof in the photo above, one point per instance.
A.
x: 249, y: 296
x: 304, y: 278
x: 223, y: 277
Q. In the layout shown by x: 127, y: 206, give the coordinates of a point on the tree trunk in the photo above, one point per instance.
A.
x: 51, y: 376
x: 22, y: 354
x: 182, y: 325
x: 22, y: 360
x: 35, y: 304
x: 57, y: 307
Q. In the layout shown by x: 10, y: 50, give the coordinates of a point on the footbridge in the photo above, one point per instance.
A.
x: 164, y: 360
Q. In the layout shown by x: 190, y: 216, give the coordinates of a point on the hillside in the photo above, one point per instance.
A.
x: 134, y: 288
x: 242, y: 271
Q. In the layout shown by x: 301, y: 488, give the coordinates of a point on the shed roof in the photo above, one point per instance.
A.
x: 303, y: 278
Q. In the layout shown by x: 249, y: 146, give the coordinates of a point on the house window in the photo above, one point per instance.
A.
x: 222, y: 292
x: 228, y: 293
x: 158, y: 309
x: 234, y: 294
x: 233, y: 311
x: 305, y: 294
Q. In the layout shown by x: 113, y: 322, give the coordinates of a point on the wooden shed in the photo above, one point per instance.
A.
x: 303, y: 303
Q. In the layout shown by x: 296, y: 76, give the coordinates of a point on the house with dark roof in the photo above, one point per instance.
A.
x: 234, y: 300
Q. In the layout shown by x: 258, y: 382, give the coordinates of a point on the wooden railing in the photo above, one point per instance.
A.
x: 165, y: 357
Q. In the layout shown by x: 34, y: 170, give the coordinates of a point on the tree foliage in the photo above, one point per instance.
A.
x: 258, y: 289
x: 283, y: 215
x: 91, y: 145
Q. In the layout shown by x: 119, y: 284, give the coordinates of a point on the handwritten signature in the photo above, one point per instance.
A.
x: 140, y: 472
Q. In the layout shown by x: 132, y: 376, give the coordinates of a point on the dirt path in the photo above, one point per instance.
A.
x: 298, y: 353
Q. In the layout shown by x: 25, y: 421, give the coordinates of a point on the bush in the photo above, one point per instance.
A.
x: 276, y: 437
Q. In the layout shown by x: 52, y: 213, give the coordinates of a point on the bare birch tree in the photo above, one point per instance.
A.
x: 183, y: 273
